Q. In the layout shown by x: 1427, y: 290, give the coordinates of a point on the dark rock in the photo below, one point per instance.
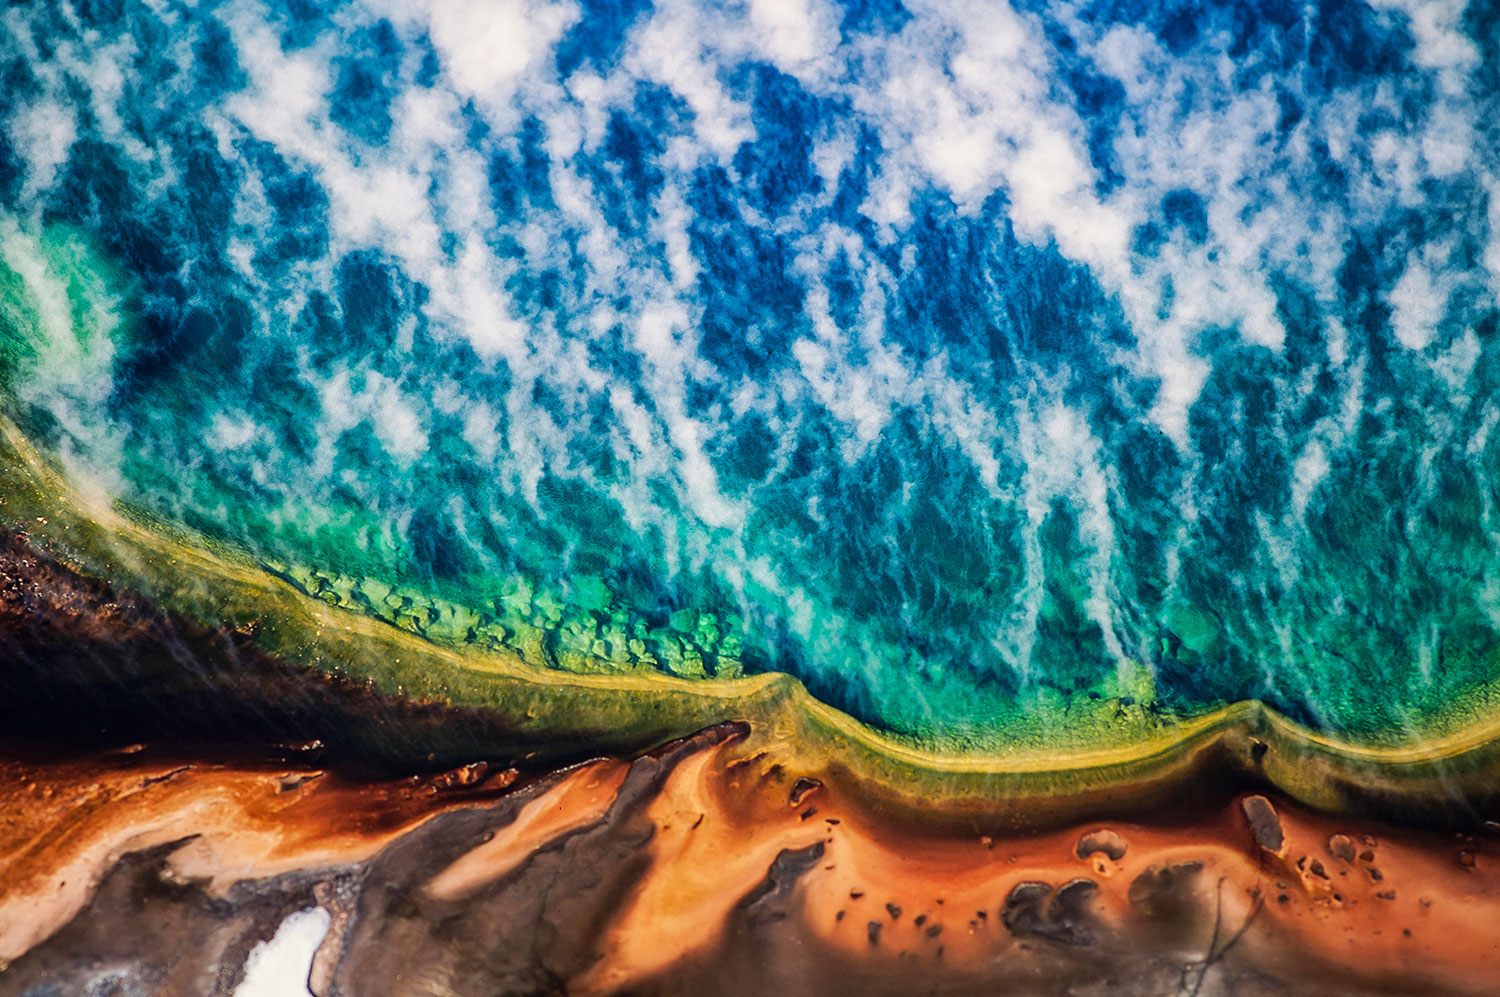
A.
x: 1103, y: 840
x: 802, y: 787
x: 789, y: 865
x: 1065, y: 920
x: 1069, y: 912
x: 1022, y: 912
x: 1264, y: 824
x: 1341, y: 846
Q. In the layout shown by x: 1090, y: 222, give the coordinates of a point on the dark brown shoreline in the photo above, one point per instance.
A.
x: 85, y: 667
x: 204, y: 790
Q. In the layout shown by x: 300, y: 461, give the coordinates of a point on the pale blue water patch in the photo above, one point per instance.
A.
x: 950, y: 357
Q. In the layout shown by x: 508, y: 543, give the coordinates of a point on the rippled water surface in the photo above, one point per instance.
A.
x: 959, y: 359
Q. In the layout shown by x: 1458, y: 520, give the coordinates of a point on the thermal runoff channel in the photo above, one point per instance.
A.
x: 985, y: 368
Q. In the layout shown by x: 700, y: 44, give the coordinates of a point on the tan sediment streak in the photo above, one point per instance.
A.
x: 577, y: 800
x: 62, y: 824
x: 704, y: 859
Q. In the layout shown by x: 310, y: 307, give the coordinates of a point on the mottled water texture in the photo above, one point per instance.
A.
x: 970, y: 363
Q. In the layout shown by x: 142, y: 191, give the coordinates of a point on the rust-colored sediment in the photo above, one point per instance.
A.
x: 708, y: 869
x: 64, y: 823
x: 1340, y: 906
x: 575, y: 801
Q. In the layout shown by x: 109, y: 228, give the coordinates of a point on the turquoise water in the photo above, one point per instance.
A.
x: 960, y: 360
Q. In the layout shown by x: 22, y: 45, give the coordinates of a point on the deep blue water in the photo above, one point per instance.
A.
x: 957, y: 358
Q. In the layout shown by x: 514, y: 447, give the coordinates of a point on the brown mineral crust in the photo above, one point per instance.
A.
x: 64, y: 823
x: 529, y: 930
x: 687, y: 871
x: 1199, y: 897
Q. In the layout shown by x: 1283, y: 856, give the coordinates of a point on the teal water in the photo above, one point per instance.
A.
x: 962, y: 361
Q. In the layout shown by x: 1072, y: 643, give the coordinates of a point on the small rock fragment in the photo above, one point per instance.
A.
x: 1265, y: 826
x: 1065, y: 919
x: 1341, y: 846
x: 802, y: 787
x: 1103, y: 840
x: 781, y: 878
x: 1022, y: 913
x: 1069, y: 912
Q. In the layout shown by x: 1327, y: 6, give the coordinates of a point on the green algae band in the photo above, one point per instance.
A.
x: 1025, y: 446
